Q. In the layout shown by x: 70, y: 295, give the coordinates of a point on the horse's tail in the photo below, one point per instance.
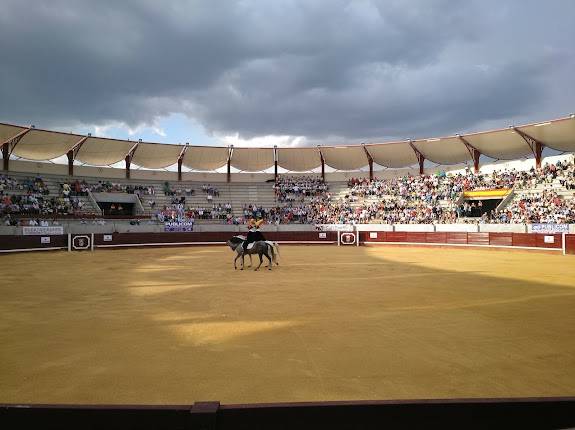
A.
x: 271, y: 248
x: 275, y: 250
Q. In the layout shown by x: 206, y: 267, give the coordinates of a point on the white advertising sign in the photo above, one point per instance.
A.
x: 550, y: 228
x: 29, y: 231
x: 334, y: 227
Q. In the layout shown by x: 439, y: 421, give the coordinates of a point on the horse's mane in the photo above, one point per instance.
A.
x: 237, y: 239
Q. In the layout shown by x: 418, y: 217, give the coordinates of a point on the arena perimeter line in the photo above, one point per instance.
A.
x: 176, y: 325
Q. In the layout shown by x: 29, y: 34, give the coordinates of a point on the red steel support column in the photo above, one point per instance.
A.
x: 370, y: 162
x: 275, y: 163
x: 128, y: 158
x: 70, y: 155
x: 538, y: 153
x: 475, y: 154
x: 181, y: 161
x: 420, y: 157
x: 6, y: 156
x: 7, y: 150
x: 322, y: 164
x: 535, y: 145
x: 230, y: 152
x: 73, y: 152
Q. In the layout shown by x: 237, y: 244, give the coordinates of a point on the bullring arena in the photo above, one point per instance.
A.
x: 142, y: 305
x: 174, y: 325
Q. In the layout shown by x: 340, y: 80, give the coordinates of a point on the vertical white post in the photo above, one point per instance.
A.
x: 356, y: 230
x: 69, y: 242
x: 563, y: 245
x: 338, y: 233
x: 92, y: 242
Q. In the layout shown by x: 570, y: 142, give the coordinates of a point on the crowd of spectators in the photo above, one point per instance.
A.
x: 179, y: 212
x: 389, y: 211
x: 435, y: 198
x: 413, y: 199
x: 110, y: 187
x: 9, y: 220
x: 210, y: 192
x: 545, y: 207
x: 431, y: 198
x: 9, y: 184
x: 297, y: 188
x: 30, y: 197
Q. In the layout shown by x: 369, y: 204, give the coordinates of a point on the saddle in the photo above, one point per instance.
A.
x: 250, y: 245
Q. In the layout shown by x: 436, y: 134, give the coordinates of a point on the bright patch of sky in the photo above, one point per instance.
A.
x: 175, y: 128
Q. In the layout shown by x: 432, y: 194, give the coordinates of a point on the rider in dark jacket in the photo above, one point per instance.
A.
x: 254, y: 234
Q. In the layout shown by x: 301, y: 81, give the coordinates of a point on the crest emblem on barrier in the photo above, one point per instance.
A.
x: 347, y: 238
x: 81, y: 242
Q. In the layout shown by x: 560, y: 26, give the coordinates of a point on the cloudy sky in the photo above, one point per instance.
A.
x: 287, y: 72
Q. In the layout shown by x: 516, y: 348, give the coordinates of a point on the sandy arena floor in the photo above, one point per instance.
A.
x: 178, y: 325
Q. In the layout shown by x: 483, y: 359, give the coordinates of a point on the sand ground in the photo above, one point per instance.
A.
x: 178, y: 325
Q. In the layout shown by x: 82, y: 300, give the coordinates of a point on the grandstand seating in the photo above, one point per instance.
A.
x: 408, y: 199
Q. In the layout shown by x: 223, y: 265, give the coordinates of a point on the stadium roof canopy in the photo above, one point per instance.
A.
x: 505, y: 144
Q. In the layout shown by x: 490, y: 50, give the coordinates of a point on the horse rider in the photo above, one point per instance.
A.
x: 254, y: 233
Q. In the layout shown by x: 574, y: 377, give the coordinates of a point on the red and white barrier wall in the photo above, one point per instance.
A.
x: 564, y: 243
x: 79, y: 241
x: 505, y: 240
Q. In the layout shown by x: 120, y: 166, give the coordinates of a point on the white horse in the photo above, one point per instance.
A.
x: 274, y: 245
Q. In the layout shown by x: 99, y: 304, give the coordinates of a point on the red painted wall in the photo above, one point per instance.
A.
x: 570, y: 244
x: 531, y: 240
x: 31, y: 242
x: 135, y: 238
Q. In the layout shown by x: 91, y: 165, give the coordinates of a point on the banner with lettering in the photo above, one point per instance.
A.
x: 334, y: 227
x: 550, y: 228
x: 175, y: 226
x: 42, y: 231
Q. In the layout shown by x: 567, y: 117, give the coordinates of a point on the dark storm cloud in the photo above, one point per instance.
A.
x: 356, y: 70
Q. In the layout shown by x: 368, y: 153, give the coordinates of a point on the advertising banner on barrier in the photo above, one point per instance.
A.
x: 175, y: 226
x: 42, y: 231
x: 334, y: 227
x: 550, y: 228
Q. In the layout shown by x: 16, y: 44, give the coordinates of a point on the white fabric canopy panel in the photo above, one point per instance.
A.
x: 393, y: 155
x: 45, y: 145
x: 446, y: 150
x: 344, y: 157
x: 499, y: 144
x: 156, y: 155
x: 298, y: 159
x: 103, y: 152
x: 205, y: 157
x: 252, y: 159
x: 559, y: 134
x: 8, y: 131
